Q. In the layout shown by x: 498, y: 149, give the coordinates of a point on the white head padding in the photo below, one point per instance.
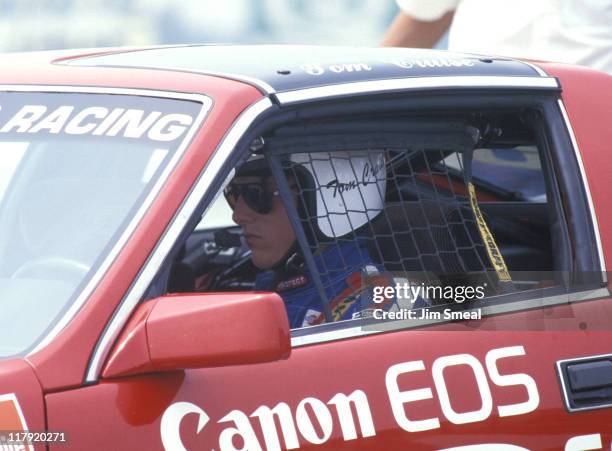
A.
x: 350, y: 188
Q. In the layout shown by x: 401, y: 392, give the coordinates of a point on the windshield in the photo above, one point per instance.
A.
x: 74, y: 169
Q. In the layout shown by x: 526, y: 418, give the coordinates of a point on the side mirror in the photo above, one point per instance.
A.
x: 182, y: 331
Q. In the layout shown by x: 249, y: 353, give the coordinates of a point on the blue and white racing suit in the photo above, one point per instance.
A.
x: 341, y: 268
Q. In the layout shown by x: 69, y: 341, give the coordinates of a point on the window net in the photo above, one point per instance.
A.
x: 385, y: 208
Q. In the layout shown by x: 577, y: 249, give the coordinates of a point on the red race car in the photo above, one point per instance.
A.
x: 285, y: 247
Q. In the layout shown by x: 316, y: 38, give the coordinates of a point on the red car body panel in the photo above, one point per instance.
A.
x: 141, y: 401
x: 137, y: 412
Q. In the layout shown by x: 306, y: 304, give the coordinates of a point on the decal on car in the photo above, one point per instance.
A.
x: 353, y: 413
x: 11, y: 420
x: 404, y: 63
x: 98, y: 121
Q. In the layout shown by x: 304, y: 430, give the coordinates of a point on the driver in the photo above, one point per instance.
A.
x: 318, y: 188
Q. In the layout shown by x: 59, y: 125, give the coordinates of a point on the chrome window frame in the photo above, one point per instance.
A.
x: 414, y: 84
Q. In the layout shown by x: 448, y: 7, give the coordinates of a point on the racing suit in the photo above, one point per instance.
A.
x: 341, y: 267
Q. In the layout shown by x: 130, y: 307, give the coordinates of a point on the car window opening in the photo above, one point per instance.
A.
x: 379, y: 204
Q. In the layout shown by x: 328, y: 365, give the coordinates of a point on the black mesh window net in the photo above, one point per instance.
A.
x: 378, y: 204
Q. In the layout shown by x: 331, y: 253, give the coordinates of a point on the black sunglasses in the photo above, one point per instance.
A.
x: 255, y: 195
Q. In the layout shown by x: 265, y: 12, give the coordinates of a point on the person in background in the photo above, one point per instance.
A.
x: 566, y: 31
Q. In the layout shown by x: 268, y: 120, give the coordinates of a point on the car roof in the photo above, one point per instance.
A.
x: 279, y: 68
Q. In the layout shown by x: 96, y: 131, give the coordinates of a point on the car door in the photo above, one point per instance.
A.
x: 504, y: 370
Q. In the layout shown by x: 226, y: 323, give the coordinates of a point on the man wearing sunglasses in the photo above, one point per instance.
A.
x: 259, y: 211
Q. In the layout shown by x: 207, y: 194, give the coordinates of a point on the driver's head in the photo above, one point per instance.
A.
x: 340, y: 192
x: 258, y: 209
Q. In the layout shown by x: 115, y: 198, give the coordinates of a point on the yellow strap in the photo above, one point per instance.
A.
x: 494, y: 254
